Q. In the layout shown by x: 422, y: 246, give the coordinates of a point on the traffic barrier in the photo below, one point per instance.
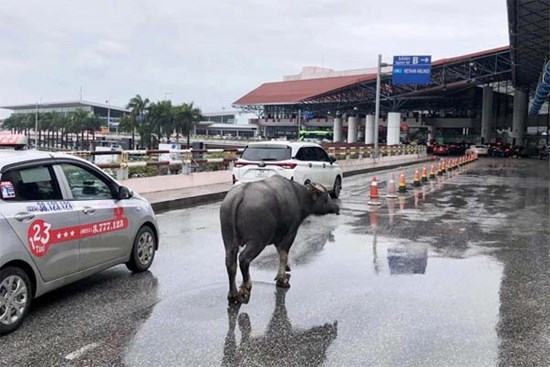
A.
x: 402, y: 183
x: 373, y: 192
x: 392, y: 193
x: 424, y: 174
x: 416, y: 178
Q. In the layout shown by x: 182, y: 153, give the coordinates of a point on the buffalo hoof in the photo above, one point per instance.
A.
x: 283, y: 282
x: 287, y: 268
x: 244, y: 295
x: 233, y: 299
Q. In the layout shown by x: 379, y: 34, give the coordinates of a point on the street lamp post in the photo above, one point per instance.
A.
x: 108, y: 114
x: 36, y: 127
x: 377, y: 103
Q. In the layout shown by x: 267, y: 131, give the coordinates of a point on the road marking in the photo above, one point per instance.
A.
x: 77, y: 353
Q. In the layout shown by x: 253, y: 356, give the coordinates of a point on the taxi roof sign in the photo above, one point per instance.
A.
x: 13, y: 140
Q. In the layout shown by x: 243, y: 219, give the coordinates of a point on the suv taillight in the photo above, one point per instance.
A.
x: 241, y: 164
x: 287, y: 165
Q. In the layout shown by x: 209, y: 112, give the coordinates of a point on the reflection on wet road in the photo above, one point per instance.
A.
x: 455, y: 273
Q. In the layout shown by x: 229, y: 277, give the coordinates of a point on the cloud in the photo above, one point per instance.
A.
x: 215, y: 51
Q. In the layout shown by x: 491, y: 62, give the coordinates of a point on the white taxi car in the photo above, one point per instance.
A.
x: 62, y: 219
x: 299, y: 161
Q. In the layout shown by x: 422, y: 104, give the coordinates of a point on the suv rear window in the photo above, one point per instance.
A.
x: 267, y: 153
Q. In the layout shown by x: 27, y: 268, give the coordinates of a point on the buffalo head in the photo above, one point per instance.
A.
x: 321, y: 203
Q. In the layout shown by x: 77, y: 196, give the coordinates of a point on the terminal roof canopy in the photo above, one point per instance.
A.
x: 289, y: 92
x: 455, y: 73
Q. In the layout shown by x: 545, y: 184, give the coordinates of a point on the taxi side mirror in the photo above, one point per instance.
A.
x: 332, y: 159
x: 124, y: 193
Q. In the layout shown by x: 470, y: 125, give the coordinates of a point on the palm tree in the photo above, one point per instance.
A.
x: 138, y: 107
x: 126, y: 125
x: 93, y: 124
x: 78, y: 123
x: 160, y: 118
x: 187, y: 116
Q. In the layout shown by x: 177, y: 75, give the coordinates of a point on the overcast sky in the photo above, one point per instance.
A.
x: 214, y: 51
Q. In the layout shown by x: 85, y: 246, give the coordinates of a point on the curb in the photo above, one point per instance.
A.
x: 188, y: 202
x: 384, y: 168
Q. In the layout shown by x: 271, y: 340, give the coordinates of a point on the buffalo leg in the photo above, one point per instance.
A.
x: 283, y: 247
x: 231, y: 266
x: 282, y: 277
x: 251, y: 251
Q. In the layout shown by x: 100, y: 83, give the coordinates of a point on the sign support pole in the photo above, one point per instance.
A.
x: 377, y: 106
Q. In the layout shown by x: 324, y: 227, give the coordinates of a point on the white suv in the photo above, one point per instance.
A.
x: 299, y: 161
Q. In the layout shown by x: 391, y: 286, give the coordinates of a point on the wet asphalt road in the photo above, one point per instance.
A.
x: 456, y: 273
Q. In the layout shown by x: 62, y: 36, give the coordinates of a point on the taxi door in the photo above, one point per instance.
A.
x: 105, y: 233
x: 32, y: 203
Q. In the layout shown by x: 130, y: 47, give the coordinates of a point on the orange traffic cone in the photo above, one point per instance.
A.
x: 424, y: 174
x: 402, y: 183
x: 392, y: 194
x: 432, y: 172
x: 440, y: 168
x: 416, y: 179
x: 374, y: 192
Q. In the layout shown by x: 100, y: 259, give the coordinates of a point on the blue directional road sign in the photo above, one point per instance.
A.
x: 412, y: 69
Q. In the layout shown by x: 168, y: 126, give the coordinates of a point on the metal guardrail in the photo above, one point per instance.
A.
x: 193, y: 159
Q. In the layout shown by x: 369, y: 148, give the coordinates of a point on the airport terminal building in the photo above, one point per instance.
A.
x: 495, y: 95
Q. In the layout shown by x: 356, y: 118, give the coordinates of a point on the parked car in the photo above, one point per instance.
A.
x: 500, y: 150
x: 457, y: 149
x: 62, y: 219
x: 440, y: 150
x: 480, y: 150
x: 299, y: 161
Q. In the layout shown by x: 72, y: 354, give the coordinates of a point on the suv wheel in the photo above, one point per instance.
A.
x: 15, y: 298
x: 335, y: 193
x: 143, y: 251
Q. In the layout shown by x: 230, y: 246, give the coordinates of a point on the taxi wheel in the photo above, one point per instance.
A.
x: 143, y: 251
x: 15, y: 298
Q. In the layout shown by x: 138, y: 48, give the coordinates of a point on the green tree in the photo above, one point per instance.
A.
x: 126, y: 125
x: 78, y: 123
x: 160, y: 118
x: 186, y: 116
x: 138, y: 107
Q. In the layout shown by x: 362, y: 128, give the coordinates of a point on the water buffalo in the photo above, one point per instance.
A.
x: 262, y: 213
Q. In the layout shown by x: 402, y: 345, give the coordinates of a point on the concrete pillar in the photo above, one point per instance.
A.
x: 369, y: 130
x: 486, y: 114
x: 352, y: 129
x: 337, y: 130
x: 394, y: 124
x: 519, y: 117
